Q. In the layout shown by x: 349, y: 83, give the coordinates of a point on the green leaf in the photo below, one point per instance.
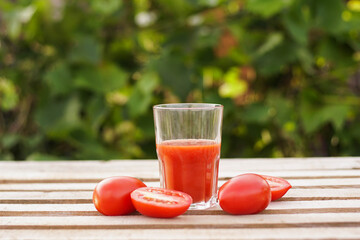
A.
x: 273, y: 40
x: 296, y: 21
x: 256, y: 113
x: 276, y: 59
x: 329, y: 49
x: 177, y: 8
x: 8, y: 95
x: 49, y: 114
x: 96, y: 111
x: 148, y: 82
x: 86, y: 50
x: 228, y: 103
x: 175, y: 75
x: 9, y: 140
x: 267, y: 8
x: 328, y: 14
x: 6, y: 156
x: 233, y: 85
x: 59, y: 79
x: 43, y: 157
x: 146, y: 124
x: 106, y: 7
x: 93, y: 150
x: 59, y: 117
x: 26, y: 13
x: 313, y: 117
x: 138, y: 103
x: 16, y: 18
x: 283, y: 108
x: 103, y: 79
x: 14, y: 27
x: 306, y: 59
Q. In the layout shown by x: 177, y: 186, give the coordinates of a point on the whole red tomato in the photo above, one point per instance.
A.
x: 245, y: 194
x: 112, y: 195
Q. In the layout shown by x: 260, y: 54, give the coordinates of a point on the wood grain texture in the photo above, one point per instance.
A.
x: 53, y: 200
x: 184, y: 221
x: 196, y: 234
x: 72, y: 175
x: 147, y: 166
x: 296, y: 183
x: 291, y: 195
x: 277, y: 205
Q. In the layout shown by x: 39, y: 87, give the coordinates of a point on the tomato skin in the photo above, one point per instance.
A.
x: 160, y: 202
x: 244, y: 194
x: 278, y: 186
x: 111, y: 196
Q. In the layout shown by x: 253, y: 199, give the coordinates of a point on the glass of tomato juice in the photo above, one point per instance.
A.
x: 188, y: 140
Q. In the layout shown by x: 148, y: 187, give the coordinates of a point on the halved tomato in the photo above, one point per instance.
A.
x: 160, y: 202
x: 278, y: 186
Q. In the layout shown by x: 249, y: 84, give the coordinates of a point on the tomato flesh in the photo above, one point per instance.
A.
x: 111, y: 196
x: 278, y: 186
x: 160, y: 202
x: 244, y: 194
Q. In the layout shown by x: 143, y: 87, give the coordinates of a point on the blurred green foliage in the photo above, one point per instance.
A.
x: 78, y: 78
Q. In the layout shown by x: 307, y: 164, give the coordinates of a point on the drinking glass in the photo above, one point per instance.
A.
x: 188, y: 140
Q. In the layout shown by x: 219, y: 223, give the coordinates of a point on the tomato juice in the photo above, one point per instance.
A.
x: 190, y: 166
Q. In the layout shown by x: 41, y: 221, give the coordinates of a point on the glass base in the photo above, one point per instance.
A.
x: 203, y: 205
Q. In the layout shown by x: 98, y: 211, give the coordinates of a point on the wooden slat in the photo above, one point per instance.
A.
x: 231, y: 165
x: 296, y: 183
x: 46, y: 207
x: 314, y: 204
x: 184, y: 221
x: 300, y: 174
x: 159, y: 234
x: 56, y: 186
x: 45, y: 195
x: 89, y: 176
x: 48, y: 186
x: 152, y: 166
x: 44, y: 199
x: 277, y: 205
x: 321, y: 194
x: 325, y: 182
x: 298, y: 194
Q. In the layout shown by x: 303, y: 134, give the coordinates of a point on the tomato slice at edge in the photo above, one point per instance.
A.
x: 278, y: 186
x: 160, y: 202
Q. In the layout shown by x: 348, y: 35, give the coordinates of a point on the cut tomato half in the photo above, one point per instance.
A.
x: 279, y: 186
x: 160, y: 202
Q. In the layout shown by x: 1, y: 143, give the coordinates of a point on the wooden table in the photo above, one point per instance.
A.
x: 52, y: 200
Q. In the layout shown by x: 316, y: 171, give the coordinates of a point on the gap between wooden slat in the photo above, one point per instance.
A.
x: 297, y: 183
x: 209, y: 234
x: 315, y: 198
x: 96, y: 180
x: 326, y: 186
x: 316, y: 162
x: 92, y: 180
x: 45, y: 190
x: 187, y: 226
x: 195, y: 212
x: 45, y: 201
x: 86, y: 190
x: 84, y: 201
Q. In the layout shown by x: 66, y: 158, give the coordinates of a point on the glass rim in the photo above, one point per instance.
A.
x: 183, y: 106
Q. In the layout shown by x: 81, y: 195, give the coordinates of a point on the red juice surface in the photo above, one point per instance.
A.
x: 190, y: 166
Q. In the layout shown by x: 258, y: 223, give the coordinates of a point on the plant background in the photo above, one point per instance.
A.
x: 78, y: 78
